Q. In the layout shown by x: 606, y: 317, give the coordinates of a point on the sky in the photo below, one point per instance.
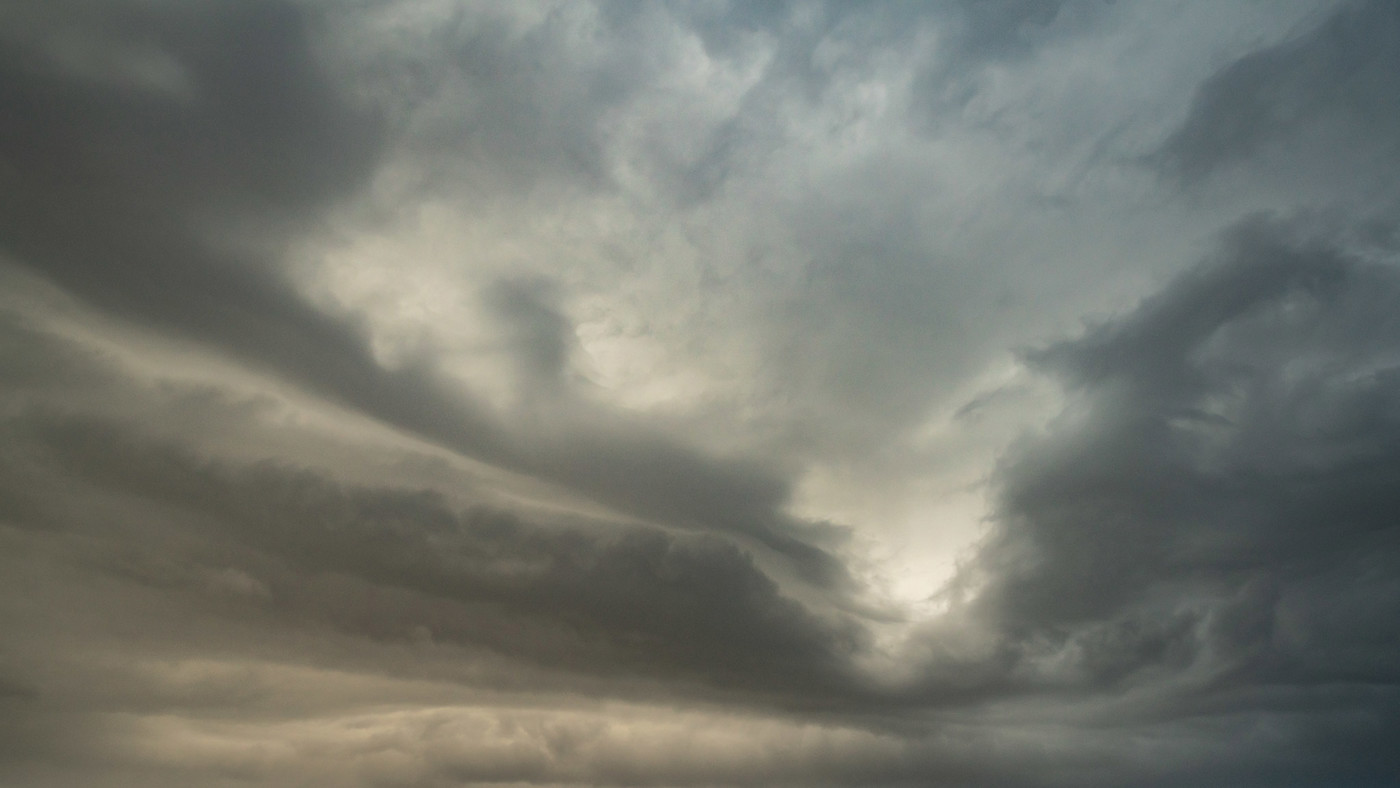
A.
x: 428, y: 393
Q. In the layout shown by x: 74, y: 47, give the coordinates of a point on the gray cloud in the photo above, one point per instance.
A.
x: 698, y: 605
x: 1215, y: 508
x: 701, y: 466
x: 291, y: 147
x: 1300, y: 126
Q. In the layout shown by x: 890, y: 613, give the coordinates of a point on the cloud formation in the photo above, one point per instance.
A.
x: 423, y: 393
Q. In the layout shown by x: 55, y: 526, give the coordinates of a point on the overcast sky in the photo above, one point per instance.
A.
x: 424, y: 393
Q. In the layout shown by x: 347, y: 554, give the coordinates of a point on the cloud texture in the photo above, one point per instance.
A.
x: 428, y: 393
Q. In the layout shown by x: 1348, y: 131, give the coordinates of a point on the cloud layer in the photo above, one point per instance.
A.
x: 427, y: 393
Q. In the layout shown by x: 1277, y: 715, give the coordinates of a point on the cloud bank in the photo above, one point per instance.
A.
x: 423, y: 393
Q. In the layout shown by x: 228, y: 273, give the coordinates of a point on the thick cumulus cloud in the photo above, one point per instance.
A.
x: 430, y: 393
x: 1216, y: 506
x: 1263, y: 377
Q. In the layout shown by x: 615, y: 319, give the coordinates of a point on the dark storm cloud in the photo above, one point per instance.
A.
x: 1214, y: 518
x: 1191, y: 575
x: 591, y: 597
x: 118, y: 191
x: 1335, y: 81
x: 121, y: 197
x: 606, y: 599
x: 249, y: 125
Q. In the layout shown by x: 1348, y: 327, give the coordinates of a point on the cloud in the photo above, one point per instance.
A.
x: 595, y: 599
x: 428, y: 393
x: 1306, y: 119
x: 270, y: 135
x: 1211, y: 512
